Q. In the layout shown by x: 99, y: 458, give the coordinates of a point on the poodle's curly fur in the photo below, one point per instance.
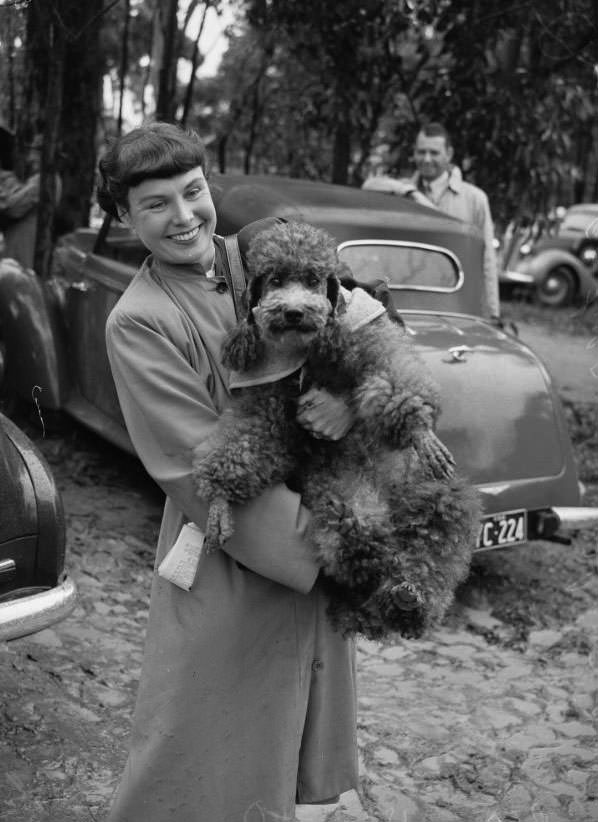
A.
x: 393, y: 527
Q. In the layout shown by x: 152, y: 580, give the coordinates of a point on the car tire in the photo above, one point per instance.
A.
x: 558, y: 287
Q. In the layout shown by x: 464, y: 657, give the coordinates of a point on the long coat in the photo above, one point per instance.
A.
x: 247, y: 698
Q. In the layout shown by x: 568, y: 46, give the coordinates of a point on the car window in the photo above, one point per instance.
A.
x: 403, y: 265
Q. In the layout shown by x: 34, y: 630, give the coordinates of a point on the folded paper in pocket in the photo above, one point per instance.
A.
x: 180, y: 564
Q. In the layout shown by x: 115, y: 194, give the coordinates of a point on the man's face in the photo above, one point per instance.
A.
x: 432, y: 156
x: 174, y: 218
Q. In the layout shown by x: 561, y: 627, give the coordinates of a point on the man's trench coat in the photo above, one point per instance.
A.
x: 247, y: 696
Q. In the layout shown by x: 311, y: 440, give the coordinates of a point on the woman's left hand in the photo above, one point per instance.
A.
x: 325, y: 416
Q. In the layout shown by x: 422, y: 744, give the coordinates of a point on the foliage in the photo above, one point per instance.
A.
x: 341, y: 61
x: 519, y: 95
x: 336, y: 84
x: 328, y: 90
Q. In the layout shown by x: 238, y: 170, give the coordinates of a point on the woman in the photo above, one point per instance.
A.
x: 246, y: 702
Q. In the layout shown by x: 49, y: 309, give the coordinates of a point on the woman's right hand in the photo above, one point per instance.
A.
x: 324, y: 415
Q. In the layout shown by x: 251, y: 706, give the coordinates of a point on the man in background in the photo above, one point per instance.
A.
x: 437, y: 183
x: 18, y: 201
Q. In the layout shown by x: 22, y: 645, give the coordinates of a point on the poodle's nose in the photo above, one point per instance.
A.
x: 293, y: 316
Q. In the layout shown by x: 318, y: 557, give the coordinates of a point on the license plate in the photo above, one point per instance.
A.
x: 506, y: 528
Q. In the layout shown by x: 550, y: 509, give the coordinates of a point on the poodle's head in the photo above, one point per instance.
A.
x: 292, y: 293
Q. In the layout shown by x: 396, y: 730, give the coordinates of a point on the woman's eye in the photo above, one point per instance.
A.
x: 157, y: 205
x: 194, y: 193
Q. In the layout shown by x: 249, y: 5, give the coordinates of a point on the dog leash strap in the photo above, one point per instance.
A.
x: 237, y: 272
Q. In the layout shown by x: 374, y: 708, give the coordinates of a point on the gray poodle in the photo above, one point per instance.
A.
x: 392, y: 526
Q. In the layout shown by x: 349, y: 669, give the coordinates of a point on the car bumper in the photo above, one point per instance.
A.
x: 28, y: 614
x: 516, y: 278
x: 575, y: 519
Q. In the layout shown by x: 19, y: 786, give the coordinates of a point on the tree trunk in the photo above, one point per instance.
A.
x: 341, y: 152
x: 124, y: 63
x: 63, y: 72
x: 81, y: 110
x: 166, y: 104
x: 223, y: 140
x: 44, y: 239
x: 194, y: 63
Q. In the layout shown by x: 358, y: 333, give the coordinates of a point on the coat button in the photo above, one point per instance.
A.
x: 317, y: 665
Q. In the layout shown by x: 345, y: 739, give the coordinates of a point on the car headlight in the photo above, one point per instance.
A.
x: 589, y: 255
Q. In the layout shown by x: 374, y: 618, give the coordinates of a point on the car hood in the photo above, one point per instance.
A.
x: 500, y: 415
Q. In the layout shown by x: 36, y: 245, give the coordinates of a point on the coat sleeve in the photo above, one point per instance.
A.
x: 18, y: 198
x: 168, y: 411
x: 490, y: 261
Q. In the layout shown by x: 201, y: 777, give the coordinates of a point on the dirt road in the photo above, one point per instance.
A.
x: 493, y: 718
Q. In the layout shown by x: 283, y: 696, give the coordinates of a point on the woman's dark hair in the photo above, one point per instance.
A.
x: 154, y: 151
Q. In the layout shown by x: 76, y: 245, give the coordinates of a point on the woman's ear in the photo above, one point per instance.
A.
x: 244, y: 347
x: 124, y: 218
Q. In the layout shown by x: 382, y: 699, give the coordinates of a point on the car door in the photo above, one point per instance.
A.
x: 94, y: 283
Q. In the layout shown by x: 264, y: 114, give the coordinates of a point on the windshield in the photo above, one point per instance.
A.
x: 403, y: 265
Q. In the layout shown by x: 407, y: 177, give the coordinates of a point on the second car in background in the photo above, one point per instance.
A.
x: 557, y: 268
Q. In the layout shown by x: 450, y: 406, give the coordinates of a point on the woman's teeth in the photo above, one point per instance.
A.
x: 187, y: 235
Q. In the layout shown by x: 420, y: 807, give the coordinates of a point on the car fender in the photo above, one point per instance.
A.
x: 501, y: 415
x: 538, y: 265
x: 32, y: 336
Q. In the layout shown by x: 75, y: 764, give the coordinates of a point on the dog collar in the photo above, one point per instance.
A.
x: 274, y: 369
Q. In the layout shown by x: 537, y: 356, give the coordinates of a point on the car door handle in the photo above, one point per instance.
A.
x: 81, y: 285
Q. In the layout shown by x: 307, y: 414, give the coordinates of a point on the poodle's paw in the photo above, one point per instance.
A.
x: 433, y: 454
x: 219, y: 526
x: 340, y: 516
x: 401, y: 608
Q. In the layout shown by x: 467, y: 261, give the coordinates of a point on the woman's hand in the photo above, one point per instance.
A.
x: 325, y: 416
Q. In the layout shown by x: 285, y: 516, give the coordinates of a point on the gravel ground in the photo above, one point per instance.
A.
x: 490, y: 719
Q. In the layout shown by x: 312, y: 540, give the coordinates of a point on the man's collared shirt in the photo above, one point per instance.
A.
x: 434, y: 189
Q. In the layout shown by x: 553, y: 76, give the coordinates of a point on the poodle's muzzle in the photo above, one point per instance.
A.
x: 292, y: 307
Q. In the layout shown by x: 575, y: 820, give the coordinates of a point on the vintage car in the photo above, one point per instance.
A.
x: 34, y: 591
x: 557, y: 268
x: 501, y: 416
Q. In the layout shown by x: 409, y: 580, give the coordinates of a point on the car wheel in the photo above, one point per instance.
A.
x: 558, y: 287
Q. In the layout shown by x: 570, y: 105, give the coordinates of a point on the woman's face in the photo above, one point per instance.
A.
x: 174, y: 217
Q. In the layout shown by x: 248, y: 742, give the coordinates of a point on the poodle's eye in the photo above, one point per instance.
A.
x: 275, y: 281
x: 313, y: 281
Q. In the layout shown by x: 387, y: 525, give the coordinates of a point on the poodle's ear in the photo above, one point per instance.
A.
x: 252, y: 296
x: 332, y: 290
x: 243, y: 347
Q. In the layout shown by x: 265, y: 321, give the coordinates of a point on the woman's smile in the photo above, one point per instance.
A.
x: 186, y: 236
